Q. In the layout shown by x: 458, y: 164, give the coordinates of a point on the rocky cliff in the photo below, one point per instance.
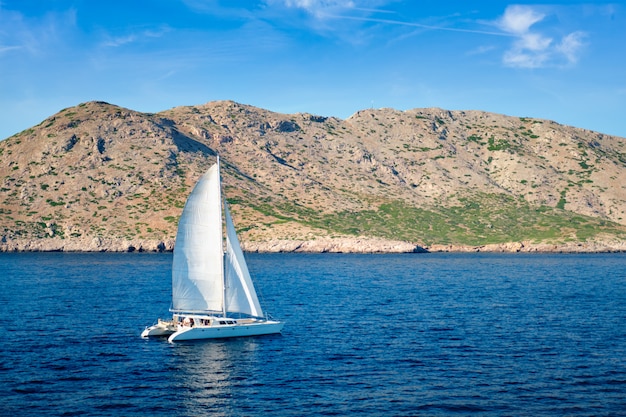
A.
x: 101, y: 177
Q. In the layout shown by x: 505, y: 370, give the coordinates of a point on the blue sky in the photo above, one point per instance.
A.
x: 564, y: 61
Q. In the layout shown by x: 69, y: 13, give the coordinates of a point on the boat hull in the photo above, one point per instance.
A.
x: 220, y: 332
x: 161, y: 329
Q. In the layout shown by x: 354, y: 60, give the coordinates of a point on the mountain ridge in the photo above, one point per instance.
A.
x: 101, y: 177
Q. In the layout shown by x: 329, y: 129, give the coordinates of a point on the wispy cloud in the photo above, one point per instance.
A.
x: 483, y: 49
x: 534, y: 48
x: 419, y: 25
x: 320, y: 7
x: 365, y: 12
x: 571, y: 45
x: 119, y: 40
x: 34, y: 36
x: 534, y: 44
x: 135, y: 36
x: 5, y: 48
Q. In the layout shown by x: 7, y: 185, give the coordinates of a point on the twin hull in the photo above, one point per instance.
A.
x: 177, y: 332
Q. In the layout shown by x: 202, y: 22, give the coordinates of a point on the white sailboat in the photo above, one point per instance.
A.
x: 212, y: 292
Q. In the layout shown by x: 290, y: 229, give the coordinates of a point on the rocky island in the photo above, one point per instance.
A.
x: 99, y: 177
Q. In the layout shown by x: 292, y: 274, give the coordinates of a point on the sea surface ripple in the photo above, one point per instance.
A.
x: 394, y: 335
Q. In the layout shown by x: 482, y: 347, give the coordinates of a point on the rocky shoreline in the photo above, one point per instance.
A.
x: 322, y: 245
x: 96, y: 244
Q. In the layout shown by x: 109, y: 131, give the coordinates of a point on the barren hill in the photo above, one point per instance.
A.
x: 101, y: 177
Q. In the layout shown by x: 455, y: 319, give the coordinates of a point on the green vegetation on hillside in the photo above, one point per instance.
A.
x: 480, y: 220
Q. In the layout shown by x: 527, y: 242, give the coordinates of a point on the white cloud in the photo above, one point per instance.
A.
x: 320, y: 9
x: 534, y: 48
x: 523, y: 59
x: 35, y: 36
x: 321, y: 16
x: 315, y: 5
x: 571, y: 45
x: 534, y: 42
x: 4, y: 49
x: 120, y: 40
x: 115, y: 41
x: 518, y: 19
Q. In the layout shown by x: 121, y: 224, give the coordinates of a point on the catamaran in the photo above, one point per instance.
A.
x: 212, y: 292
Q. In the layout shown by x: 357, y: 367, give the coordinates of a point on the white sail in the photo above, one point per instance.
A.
x: 240, y: 294
x: 197, y: 269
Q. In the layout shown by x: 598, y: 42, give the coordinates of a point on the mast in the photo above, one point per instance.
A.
x: 219, y: 194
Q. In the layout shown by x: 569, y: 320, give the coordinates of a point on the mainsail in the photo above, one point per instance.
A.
x: 197, y: 269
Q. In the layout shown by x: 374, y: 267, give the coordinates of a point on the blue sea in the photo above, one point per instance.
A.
x: 394, y: 335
